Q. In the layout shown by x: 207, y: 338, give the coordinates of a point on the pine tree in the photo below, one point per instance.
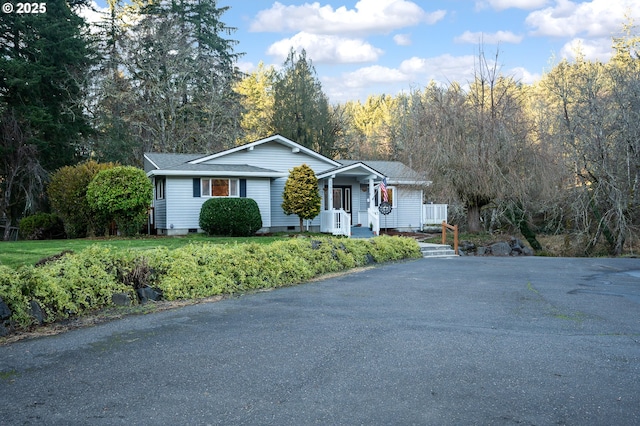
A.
x: 301, y: 110
x: 167, y: 81
x: 301, y: 196
x: 43, y: 60
x: 256, y: 90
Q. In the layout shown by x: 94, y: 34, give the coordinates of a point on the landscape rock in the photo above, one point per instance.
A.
x: 36, y: 311
x: 121, y: 299
x: 501, y: 249
x: 5, y: 312
x: 147, y: 293
x: 526, y: 251
x: 466, y: 246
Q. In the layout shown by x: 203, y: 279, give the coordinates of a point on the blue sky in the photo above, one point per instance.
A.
x: 367, y: 47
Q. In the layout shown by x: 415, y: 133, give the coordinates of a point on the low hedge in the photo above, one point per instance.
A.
x: 235, y: 217
x: 42, y: 226
x: 74, y: 283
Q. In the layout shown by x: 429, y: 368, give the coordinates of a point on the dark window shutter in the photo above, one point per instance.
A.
x: 196, y: 187
x: 243, y: 188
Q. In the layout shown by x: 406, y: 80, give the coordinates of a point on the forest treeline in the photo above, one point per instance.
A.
x: 561, y: 156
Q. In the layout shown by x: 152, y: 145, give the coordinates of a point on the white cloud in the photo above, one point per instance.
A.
x: 522, y: 75
x: 413, y: 72
x: 488, y: 38
x: 402, y: 39
x: 510, y: 4
x: 326, y: 49
x: 246, y: 67
x: 93, y: 13
x: 591, y: 50
x: 363, y: 82
x: 597, y: 18
x: 376, y: 74
x: 444, y: 68
x: 368, y: 17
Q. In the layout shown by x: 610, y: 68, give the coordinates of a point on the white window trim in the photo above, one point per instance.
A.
x: 160, y: 188
x: 231, y: 195
x: 394, y: 199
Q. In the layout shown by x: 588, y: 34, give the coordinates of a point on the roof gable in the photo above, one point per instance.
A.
x: 395, y: 171
x: 295, y: 148
x: 356, y: 168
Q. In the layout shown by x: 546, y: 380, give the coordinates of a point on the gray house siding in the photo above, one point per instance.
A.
x: 182, y: 209
x: 258, y: 189
x: 272, y: 155
x: 264, y: 165
x: 160, y: 214
x: 408, y: 214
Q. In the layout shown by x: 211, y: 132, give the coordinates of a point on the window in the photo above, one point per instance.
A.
x: 160, y: 184
x: 391, y: 192
x: 220, y: 187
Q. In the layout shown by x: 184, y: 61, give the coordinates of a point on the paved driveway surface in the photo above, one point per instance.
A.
x: 527, y: 341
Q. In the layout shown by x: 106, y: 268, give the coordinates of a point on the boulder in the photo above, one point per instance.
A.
x: 121, y: 299
x: 36, y: 311
x: 5, y: 312
x: 501, y: 249
x: 466, y: 246
x: 147, y: 293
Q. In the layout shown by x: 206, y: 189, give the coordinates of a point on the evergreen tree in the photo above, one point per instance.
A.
x: 43, y: 60
x: 109, y: 101
x: 301, y: 196
x: 168, y: 83
x: 256, y: 90
x: 300, y: 109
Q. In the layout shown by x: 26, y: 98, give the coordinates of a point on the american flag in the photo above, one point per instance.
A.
x: 383, y: 190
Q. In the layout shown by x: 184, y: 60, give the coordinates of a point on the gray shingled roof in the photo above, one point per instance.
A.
x: 393, y: 170
x: 181, y: 162
x: 170, y: 161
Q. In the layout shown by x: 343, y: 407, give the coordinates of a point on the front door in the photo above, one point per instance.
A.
x: 342, y: 198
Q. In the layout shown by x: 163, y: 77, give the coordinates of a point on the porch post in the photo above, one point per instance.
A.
x: 330, y: 193
x: 371, y: 193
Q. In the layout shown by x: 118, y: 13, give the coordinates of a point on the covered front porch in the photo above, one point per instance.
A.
x: 348, y: 199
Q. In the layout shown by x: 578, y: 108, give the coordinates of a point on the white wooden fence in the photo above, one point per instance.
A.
x: 434, y: 214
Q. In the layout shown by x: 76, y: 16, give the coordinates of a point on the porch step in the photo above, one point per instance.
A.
x: 436, y: 250
x: 361, y: 232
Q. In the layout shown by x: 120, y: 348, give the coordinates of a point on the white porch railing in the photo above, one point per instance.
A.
x: 434, y: 214
x: 374, y: 220
x: 336, y: 222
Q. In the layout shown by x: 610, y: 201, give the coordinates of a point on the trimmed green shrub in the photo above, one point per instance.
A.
x: 67, y: 192
x: 71, y: 284
x: 123, y: 194
x: 42, y: 226
x: 301, y: 196
x: 236, y: 217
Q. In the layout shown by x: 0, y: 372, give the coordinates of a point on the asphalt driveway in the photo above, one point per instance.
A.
x: 527, y: 341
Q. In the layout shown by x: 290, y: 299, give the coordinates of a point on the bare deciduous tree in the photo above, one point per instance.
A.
x: 22, y: 179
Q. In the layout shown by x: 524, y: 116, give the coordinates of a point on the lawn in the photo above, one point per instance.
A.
x: 17, y: 253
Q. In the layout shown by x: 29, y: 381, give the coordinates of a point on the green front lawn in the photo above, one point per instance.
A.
x: 17, y: 253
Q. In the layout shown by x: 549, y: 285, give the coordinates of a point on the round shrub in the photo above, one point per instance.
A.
x: 236, y: 217
x: 67, y: 192
x: 124, y: 194
x: 42, y: 226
